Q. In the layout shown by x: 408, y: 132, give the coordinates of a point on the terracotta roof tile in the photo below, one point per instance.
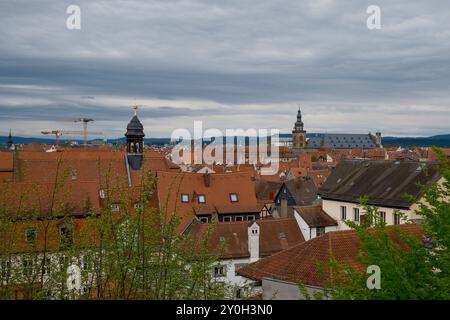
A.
x: 299, y: 263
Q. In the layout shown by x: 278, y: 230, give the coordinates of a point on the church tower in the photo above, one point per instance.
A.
x: 10, y: 143
x: 135, y: 141
x: 298, y: 134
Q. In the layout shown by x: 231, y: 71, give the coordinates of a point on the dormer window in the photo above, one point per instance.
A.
x: 201, y: 198
x: 234, y: 197
x: 184, y: 198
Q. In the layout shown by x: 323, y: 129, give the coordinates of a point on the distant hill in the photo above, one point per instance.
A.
x: 442, y: 140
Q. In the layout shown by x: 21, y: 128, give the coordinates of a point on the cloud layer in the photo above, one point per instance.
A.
x: 229, y: 63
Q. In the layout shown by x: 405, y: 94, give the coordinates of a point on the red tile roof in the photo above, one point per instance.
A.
x: 299, y: 263
x: 230, y: 239
x: 314, y: 216
x: 171, y: 186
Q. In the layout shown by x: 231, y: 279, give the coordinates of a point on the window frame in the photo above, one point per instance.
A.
x: 201, y: 196
x: 234, y: 194
x: 35, y: 231
x: 322, y: 231
x: 343, y: 213
x: 183, y: 199
x: 220, y: 267
x: 383, y: 216
x: 397, y: 219
x: 356, y: 214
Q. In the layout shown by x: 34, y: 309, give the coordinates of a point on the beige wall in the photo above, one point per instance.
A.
x: 333, y: 208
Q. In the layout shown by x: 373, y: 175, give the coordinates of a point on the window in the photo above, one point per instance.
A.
x: 227, y: 219
x: 115, y: 207
x: 66, y: 235
x: 27, y: 267
x: 63, y: 262
x: 396, y: 218
x: 86, y: 263
x: 5, y: 269
x: 138, y: 206
x: 201, y: 198
x: 320, y: 231
x: 383, y: 216
x: 356, y: 214
x: 250, y: 218
x: 343, y: 213
x: 234, y: 197
x: 204, y: 219
x: 30, y: 235
x: 239, y: 218
x: 184, y: 198
x: 74, y: 174
x: 219, y: 271
x: 282, y: 235
x: 46, y: 266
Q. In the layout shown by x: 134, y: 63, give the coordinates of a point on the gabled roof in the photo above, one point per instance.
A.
x: 215, y: 187
x: 299, y: 263
x: 383, y: 182
x: 314, y: 216
x: 303, y: 190
x: 267, y: 190
x: 230, y: 239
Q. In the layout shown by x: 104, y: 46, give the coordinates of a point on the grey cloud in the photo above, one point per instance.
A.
x: 232, y: 53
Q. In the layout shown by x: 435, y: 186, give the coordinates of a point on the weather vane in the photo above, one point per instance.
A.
x: 135, y: 107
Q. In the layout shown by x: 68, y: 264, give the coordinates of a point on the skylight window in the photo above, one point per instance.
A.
x: 201, y: 198
x: 234, y: 197
x: 184, y: 197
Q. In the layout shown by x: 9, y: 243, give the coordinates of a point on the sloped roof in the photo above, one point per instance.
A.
x: 25, y: 199
x: 303, y: 190
x: 230, y: 239
x: 171, y: 185
x: 314, y: 216
x: 266, y: 190
x: 6, y: 161
x: 341, y: 141
x: 383, y: 182
x: 299, y: 263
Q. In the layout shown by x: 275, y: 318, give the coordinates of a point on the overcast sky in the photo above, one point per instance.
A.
x: 232, y: 64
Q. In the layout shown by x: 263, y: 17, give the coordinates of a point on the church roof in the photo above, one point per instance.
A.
x: 135, y: 128
x: 342, y: 141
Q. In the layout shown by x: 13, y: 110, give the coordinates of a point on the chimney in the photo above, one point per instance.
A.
x: 207, y: 179
x: 253, y: 242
